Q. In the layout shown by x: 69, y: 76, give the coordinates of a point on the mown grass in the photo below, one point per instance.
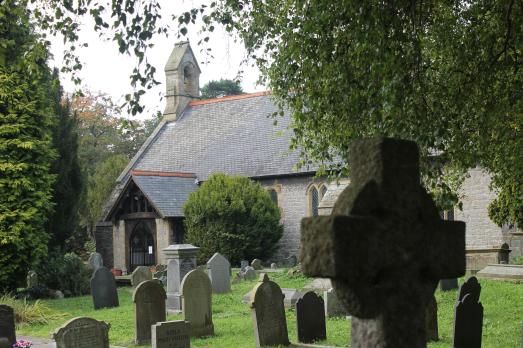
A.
x: 233, y: 323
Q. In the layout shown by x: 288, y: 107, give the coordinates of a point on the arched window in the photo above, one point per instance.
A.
x: 323, y: 191
x: 274, y: 196
x: 315, y: 201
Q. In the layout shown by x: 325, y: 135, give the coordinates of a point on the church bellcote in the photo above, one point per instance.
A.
x: 182, y: 75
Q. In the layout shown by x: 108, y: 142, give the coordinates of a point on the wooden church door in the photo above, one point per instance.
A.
x: 142, y: 247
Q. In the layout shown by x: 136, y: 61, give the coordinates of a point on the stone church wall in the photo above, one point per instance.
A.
x: 293, y: 203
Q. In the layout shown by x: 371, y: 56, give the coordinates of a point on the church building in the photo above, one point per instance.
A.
x: 236, y: 135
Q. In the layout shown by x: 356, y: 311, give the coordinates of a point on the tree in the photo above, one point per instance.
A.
x: 68, y: 188
x: 25, y: 146
x: 221, y: 88
x: 234, y: 216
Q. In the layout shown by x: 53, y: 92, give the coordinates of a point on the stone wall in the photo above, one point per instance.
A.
x: 481, y: 232
x: 293, y: 202
x: 119, y: 245
x: 103, y: 236
x: 163, y: 233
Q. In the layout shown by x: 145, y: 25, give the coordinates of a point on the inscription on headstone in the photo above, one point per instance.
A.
x: 140, y: 274
x: 82, y: 332
x: 268, y: 314
x: 103, y: 289
x: 171, y: 334
x: 384, y: 246
x: 468, y: 322
x: 219, y: 273
x: 149, y: 308
x: 310, y: 318
x: 7, y: 323
x: 197, y: 303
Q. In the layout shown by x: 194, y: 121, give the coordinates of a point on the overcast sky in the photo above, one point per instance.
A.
x: 106, y: 70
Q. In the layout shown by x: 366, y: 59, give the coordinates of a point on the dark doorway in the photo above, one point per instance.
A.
x: 142, y: 247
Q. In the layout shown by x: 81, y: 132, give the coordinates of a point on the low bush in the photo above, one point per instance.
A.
x: 66, y: 273
x: 30, y: 313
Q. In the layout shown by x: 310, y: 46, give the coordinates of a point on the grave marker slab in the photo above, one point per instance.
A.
x: 448, y: 284
x: 95, y: 261
x: 384, y: 229
x: 243, y: 264
x: 140, y: 274
x: 32, y: 279
x: 103, y: 289
x: 82, y: 332
x: 256, y: 264
x: 468, y: 322
x: 7, y: 323
x: 181, y: 259
x: 333, y: 306
x: 219, y: 273
x: 249, y: 273
x: 197, y: 303
x: 171, y: 334
x: 310, y: 318
x: 268, y: 314
x: 149, y: 308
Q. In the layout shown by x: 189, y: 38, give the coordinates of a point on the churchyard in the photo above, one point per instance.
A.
x: 233, y: 324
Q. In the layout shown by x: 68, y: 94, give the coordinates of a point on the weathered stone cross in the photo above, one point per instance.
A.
x: 384, y: 246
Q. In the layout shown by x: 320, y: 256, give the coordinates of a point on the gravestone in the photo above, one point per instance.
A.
x: 7, y: 323
x: 32, y: 279
x: 333, y: 306
x: 149, y: 308
x: 256, y: 264
x: 82, y: 332
x: 310, y: 318
x: 95, y: 261
x: 448, y: 284
x: 268, y: 314
x: 219, y: 273
x: 243, y: 264
x: 468, y: 317
x: 249, y: 273
x: 384, y: 246
x: 103, y: 289
x: 431, y: 320
x: 181, y: 259
x: 4, y: 343
x: 274, y: 265
x: 197, y: 303
x: 140, y: 274
x: 171, y: 334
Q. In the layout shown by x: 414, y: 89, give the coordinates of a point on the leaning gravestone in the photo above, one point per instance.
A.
x: 32, y: 279
x: 7, y: 323
x: 448, y: 284
x: 310, y: 318
x: 181, y: 259
x: 171, y: 334
x: 149, y: 308
x: 384, y: 246
x: 249, y: 273
x: 95, y: 261
x: 140, y: 274
x: 468, y: 322
x: 333, y: 306
x: 219, y: 273
x: 197, y: 303
x: 103, y: 289
x: 82, y: 332
x: 268, y: 314
x: 256, y: 264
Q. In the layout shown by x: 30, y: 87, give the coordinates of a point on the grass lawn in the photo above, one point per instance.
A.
x: 233, y: 324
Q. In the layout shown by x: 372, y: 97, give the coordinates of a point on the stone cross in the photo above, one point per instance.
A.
x: 468, y: 321
x: 384, y: 246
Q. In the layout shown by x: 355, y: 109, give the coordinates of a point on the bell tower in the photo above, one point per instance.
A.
x: 182, y: 80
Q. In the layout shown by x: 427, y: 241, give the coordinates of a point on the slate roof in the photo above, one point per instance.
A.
x: 167, y: 192
x: 234, y: 135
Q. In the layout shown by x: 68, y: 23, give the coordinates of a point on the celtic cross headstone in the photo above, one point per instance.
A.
x: 384, y: 246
